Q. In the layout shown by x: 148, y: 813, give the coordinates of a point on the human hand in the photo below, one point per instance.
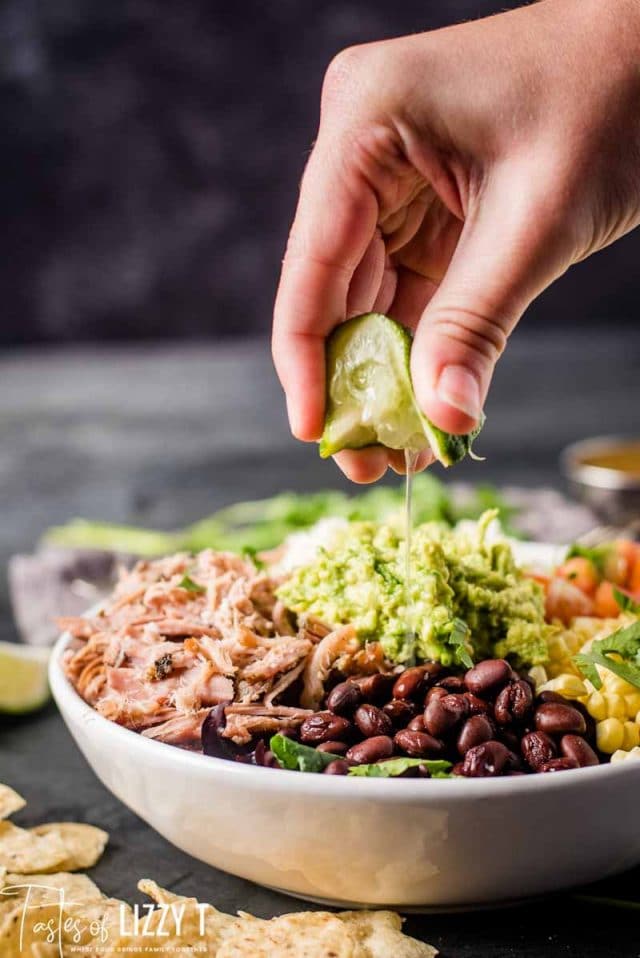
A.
x: 455, y: 175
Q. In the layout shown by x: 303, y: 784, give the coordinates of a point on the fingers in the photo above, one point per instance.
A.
x: 369, y: 465
x: 333, y: 227
x: 398, y: 463
x: 503, y: 259
x: 363, y: 465
x: 367, y: 278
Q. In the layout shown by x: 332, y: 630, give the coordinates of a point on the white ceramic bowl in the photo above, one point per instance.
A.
x: 349, y: 841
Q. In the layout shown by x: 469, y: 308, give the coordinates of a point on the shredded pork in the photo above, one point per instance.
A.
x: 185, y: 633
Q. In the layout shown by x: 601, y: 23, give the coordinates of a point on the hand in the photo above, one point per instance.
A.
x: 455, y: 175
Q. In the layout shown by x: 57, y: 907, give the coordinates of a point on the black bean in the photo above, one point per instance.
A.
x: 344, y: 699
x: 400, y: 711
x: 478, y: 706
x: 323, y: 727
x: 434, y: 693
x: 371, y: 750
x: 339, y: 767
x: 375, y: 688
x: 577, y: 749
x: 509, y: 738
x: 537, y: 748
x: 453, y: 683
x: 412, y: 683
x: 550, y: 696
x: 557, y: 765
x: 443, y: 714
x: 590, y: 733
x: 418, y: 744
x: 264, y: 756
x: 488, y: 677
x: 514, y: 703
x: 333, y: 748
x: 372, y: 721
x: 475, y: 730
x: 559, y: 718
x: 486, y: 760
x: 417, y: 724
x: 434, y: 670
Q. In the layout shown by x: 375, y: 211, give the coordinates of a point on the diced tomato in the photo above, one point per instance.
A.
x: 580, y: 572
x: 604, y: 601
x: 633, y: 582
x: 619, y: 562
x: 565, y: 601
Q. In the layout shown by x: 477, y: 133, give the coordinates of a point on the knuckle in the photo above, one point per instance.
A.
x: 481, y: 333
x: 344, y: 72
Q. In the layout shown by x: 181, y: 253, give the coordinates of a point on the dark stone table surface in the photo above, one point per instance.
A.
x: 164, y: 435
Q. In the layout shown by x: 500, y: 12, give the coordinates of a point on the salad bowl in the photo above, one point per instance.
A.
x: 350, y: 841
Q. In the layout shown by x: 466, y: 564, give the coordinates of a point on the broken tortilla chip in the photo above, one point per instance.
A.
x: 10, y: 801
x: 84, y: 844
x: 25, y: 852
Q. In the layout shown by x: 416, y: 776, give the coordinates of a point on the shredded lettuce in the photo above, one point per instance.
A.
x: 299, y: 758
x: 393, y: 767
x: 264, y: 523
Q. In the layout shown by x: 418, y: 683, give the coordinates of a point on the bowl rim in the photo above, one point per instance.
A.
x: 75, y: 710
x: 600, y: 477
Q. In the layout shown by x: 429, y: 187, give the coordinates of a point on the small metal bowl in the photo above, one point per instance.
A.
x: 596, y: 476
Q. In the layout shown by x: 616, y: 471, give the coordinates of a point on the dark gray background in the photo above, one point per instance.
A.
x: 150, y: 157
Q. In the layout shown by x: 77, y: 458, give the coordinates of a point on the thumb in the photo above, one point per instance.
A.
x: 503, y: 259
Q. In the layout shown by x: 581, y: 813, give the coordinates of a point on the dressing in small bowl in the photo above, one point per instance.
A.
x: 604, y: 473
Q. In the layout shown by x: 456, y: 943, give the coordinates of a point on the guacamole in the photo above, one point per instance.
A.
x: 466, y: 600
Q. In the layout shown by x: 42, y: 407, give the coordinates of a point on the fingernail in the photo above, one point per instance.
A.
x: 458, y: 387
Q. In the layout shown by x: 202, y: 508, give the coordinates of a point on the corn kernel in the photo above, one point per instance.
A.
x: 597, y: 706
x: 633, y: 703
x: 609, y: 735
x: 568, y: 685
x: 538, y: 675
x: 621, y: 755
x: 631, y: 736
x: 613, y: 683
x: 616, y: 706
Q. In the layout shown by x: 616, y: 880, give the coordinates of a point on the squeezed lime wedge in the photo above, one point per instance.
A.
x: 23, y: 678
x: 370, y: 398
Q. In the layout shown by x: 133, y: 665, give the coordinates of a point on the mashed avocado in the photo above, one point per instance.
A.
x: 467, y: 598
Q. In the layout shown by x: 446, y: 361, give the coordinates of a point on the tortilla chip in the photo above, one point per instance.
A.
x: 10, y: 801
x: 183, y: 940
x: 302, y: 935
x: 27, y: 853
x: 70, y: 903
x: 366, y: 934
x: 84, y: 844
x: 380, y: 932
x: 350, y: 934
x: 45, y: 887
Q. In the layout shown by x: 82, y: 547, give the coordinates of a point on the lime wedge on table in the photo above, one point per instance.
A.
x: 370, y: 398
x: 23, y: 678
